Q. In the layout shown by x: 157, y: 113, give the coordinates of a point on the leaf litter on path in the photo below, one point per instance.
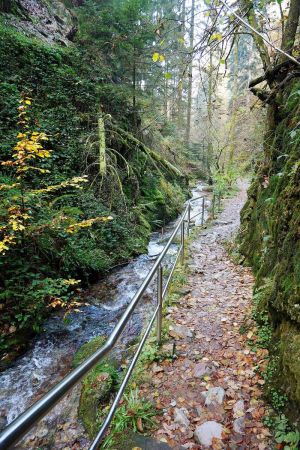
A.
x: 210, y: 395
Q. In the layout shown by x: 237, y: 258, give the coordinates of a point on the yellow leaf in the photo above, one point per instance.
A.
x: 162, y: 58
x: 155, y: 57
x: 71, y: 282
x: 217, y: 36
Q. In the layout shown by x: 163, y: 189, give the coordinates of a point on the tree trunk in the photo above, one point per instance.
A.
x: 7, y: 5
x: 102, y: 147
x: 134, y: 90
x: 261, y: 47
x: 210, y: 149
x: 234, y: 103
x: 290, y: 28
x: 190, y: 84
x: 181, y: 75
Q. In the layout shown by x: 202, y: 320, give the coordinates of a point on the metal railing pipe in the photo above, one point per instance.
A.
x: 182, y: 242
x: 159, y: 302
x: 196, y: 215
x: 171, y: 273
x: 196, y: 198
x: 22, y: 424
x: 188, y: 219
x: 203, y: 209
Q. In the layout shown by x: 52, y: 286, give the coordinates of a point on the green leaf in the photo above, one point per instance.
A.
x: 168, y: 75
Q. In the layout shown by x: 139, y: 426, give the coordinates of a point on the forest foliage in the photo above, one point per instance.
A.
x: 99, y: 124
x: 64, y: 217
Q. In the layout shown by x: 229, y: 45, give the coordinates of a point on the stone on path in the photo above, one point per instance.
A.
x: 205, y: 433
x: 239, y: 425
x: 214, y: 396
x: 180, y: 332
x: 180, y: 417
x: 201, y: 369
x: 239, y: 409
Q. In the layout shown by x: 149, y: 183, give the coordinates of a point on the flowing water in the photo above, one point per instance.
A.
x: 51, y: 353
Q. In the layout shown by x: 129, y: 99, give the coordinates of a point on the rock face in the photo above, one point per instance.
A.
x: 269, y: 241
x: 205, y: 433
x: 49, y: 21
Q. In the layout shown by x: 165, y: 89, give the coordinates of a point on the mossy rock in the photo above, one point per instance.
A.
x: 87, y: 349
x: 269, y: 241
x: 96, y: 391
x: 289, y: 376
x: 97, y: 386
x: 134, y: 440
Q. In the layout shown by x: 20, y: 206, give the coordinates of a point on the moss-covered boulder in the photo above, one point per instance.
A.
x: 97, y: 386
x: 289, y: 373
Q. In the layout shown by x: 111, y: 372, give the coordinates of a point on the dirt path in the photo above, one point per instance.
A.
x: 210, y: 396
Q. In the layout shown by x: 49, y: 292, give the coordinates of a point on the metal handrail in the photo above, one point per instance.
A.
x: 22, y: 424
x: 218, y: 197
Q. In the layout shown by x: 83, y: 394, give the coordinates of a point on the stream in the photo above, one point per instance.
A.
x: 50, y: 355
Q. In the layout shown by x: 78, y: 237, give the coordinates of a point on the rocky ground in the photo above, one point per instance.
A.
x: 211, y: 396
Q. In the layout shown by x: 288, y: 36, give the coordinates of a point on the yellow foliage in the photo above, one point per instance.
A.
x: 71, y: 282
x: 29, y: 145
x: 6, y: 243
x: 7, y: 187
x: 87, y: 223
x: 74, y: 182
x: 26, y: 153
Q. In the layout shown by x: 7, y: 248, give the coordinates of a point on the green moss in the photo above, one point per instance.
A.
x: 269, y: 240
x: 289, y: 374
x: 97, y: 386
x: 87, y: 349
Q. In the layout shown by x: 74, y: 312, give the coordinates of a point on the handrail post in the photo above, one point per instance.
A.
x: 213, y: 206
x: 219, y: 202
x: 188, y: 219
x: 160, y: 302
x: 203, y: 207
x: 182, y: 243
